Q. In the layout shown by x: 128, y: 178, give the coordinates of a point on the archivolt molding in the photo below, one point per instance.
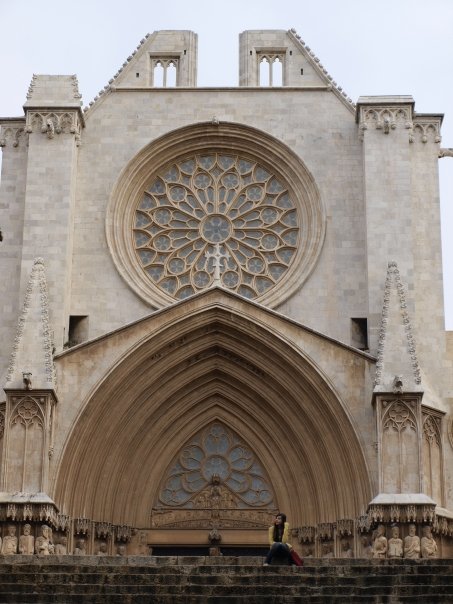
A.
x: 230, y: 139
x: 159, y: 396
x: 28, y: 411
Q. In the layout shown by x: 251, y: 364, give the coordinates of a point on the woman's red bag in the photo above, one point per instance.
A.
x: 297, y: 560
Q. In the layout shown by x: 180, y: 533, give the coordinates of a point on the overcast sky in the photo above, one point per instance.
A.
x: 370, y: 48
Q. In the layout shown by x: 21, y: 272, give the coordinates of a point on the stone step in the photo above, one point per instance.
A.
x: 95, y: 580
x: 223, y: 599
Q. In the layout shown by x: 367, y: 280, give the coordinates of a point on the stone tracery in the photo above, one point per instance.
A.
x: 212, y: 200
x: 216, y: 469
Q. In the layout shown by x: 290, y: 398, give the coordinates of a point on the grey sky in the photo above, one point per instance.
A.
x: 370, y: 48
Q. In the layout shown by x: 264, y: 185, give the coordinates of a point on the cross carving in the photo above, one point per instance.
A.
x: 217, y: 257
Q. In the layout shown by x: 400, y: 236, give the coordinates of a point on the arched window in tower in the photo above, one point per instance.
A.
x: 171, y: 75
x: 277, y: 72
x: 158, y: 75
x: 270, y: 69
x: 164, y: 72
x: 264, y: 72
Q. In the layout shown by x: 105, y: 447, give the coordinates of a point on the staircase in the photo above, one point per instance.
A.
x: 220, y: 580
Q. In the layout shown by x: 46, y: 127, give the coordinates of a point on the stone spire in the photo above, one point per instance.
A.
x: 31, y: 365
x: 397, y: 368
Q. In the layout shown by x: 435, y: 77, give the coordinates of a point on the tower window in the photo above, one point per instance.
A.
x: 270, y: 69
x: 165, y: 72
x: 78, y: 330
x: 359, y: 333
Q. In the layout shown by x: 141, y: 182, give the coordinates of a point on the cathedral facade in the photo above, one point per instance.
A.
x: 218, y: 303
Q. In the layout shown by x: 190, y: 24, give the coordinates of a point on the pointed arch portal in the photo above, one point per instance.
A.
x: 213, y: 367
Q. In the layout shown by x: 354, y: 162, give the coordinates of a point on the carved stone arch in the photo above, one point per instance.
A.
x: 419, y: 133
x: 132, y: 200
x: 213, y: 365
x: 432, y: 454
x: 27, y: 411
x: 399, y: 429
x: 26, y: 441
x: 67, y: 123
x: 37, y: 122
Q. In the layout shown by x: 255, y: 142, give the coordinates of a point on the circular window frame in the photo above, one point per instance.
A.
x: 228, y: 138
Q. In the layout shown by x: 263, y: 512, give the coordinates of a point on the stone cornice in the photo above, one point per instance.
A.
x: 426, y: 128
x: 12, y: 132
x: 55, y: 121
x: 389, y: 113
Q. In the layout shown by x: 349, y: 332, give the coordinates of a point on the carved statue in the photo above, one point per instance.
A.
x: 50, y: 128
x: 43, y: 544
x: 9, y: 545
x: 367, y: 548
x: 308, y: 552
x: 80, y: 549
x: 121, y: 550
x: 346, y: 550
x: 214, y: 536
x: 412, y: 544
x: 327, y: 550
x: 27, y: 541
x: 395, y: 544
x: 61, y: 549
x: 380, y: 543
x: 428, y: 545
x: 102, y: 551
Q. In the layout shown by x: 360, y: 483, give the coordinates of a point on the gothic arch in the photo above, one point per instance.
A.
x: 213, y: 365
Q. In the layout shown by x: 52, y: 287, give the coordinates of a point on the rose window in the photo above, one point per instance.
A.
x: 215, y: 219
x: 216, y: 454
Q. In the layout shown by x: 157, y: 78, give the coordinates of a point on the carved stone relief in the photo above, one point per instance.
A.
x: 27, y: 541
x: 26, y: 442
x: 43, y: 543
x: 12, y: 135
x: 425, y: 131
x: 412, y: 544
x: 215, y: 481
x: 380, y: 543
x: 399, y: 451
x: 55, y: 122
x: 385, y: 118
x: 395, y: 544
x: 432, y: 456
x: 9, y: 544
x: 428, y: 544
